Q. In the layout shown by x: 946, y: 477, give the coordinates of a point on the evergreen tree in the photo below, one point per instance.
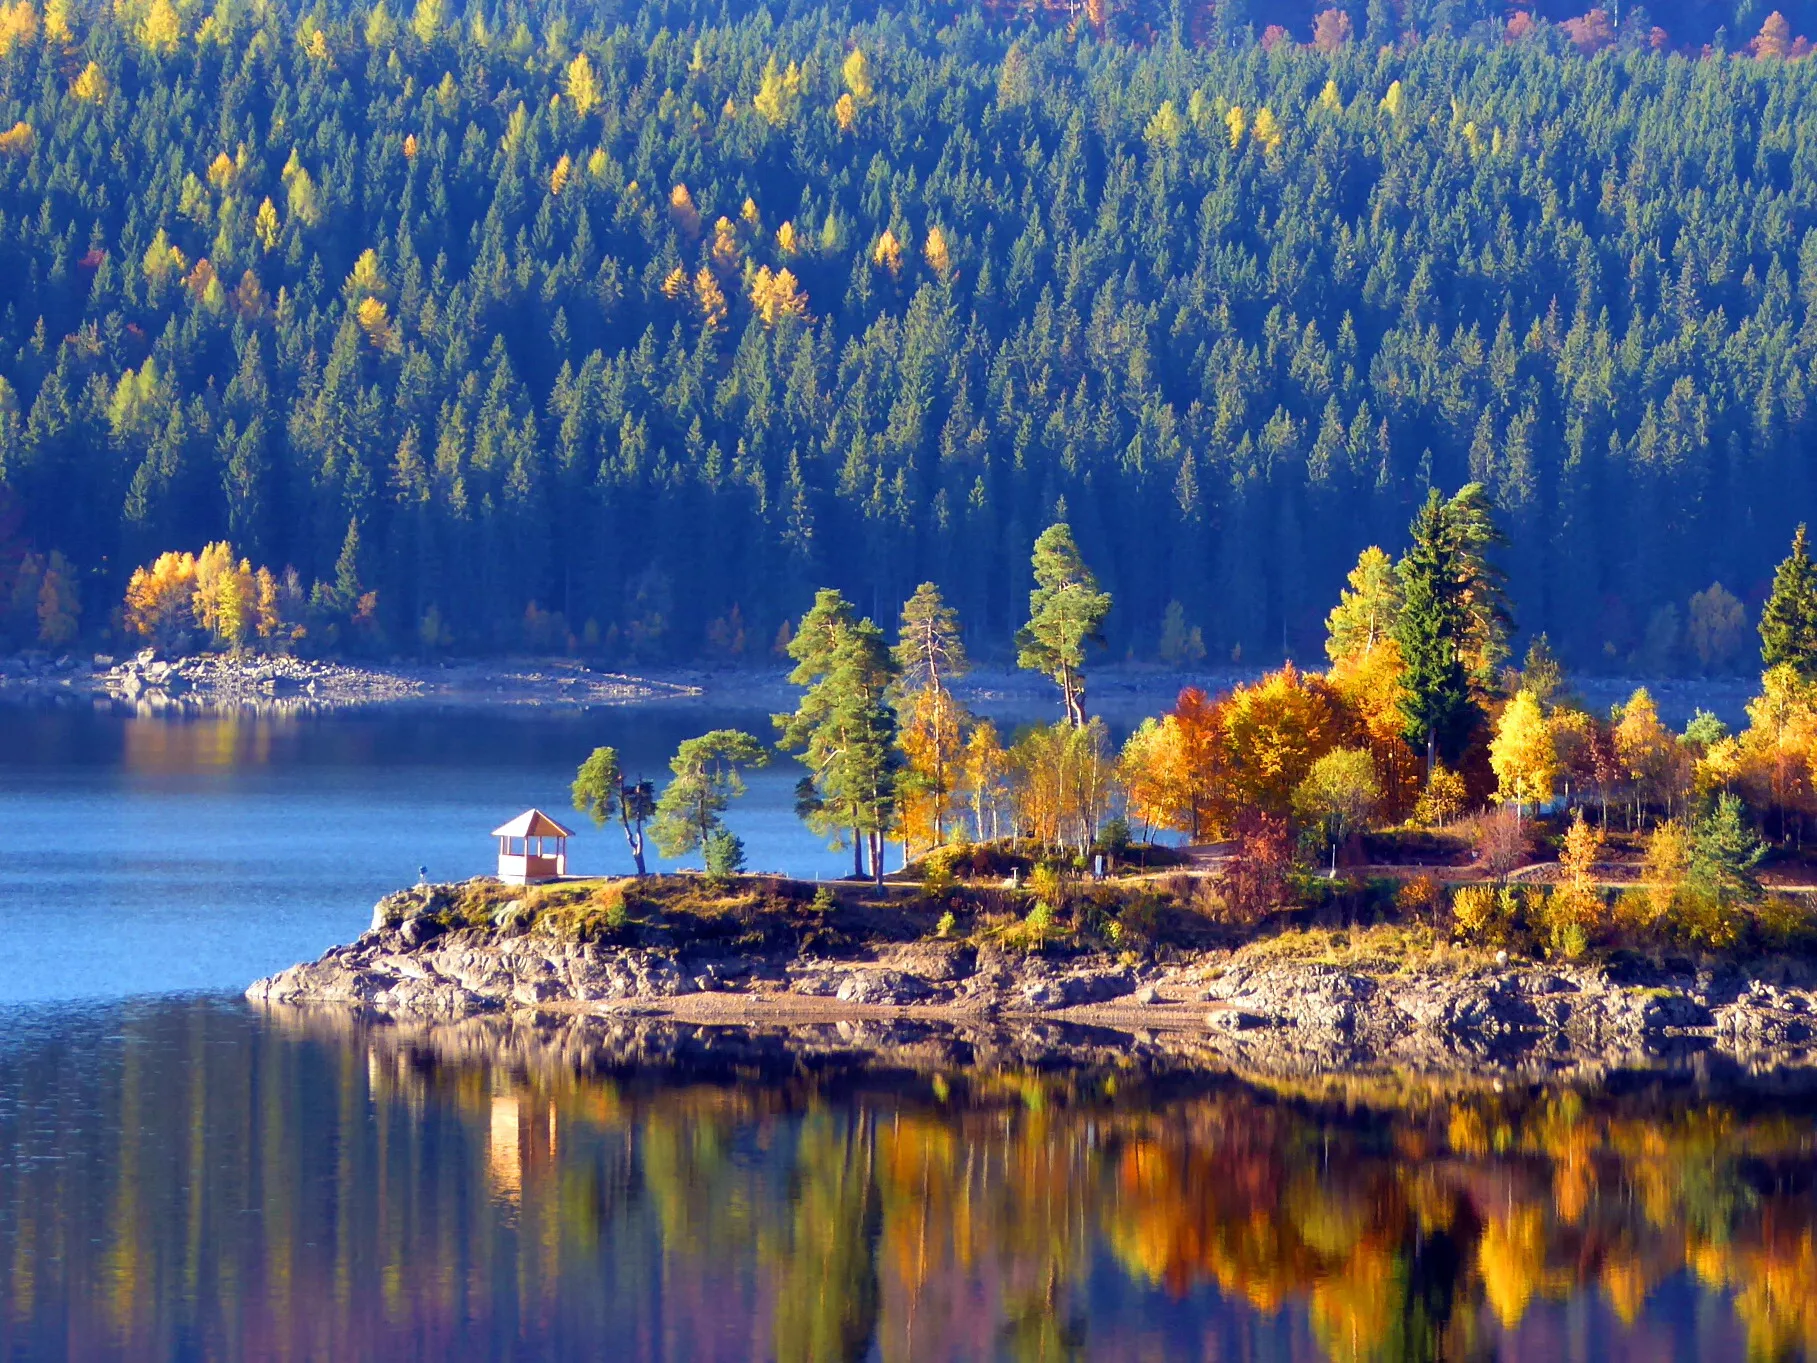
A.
x: 1788, y: 624
x: 708, y: 777
x: 1435, y: 700
x: 844, y: 728
x: 601, y: 792
x: 1065, y: 613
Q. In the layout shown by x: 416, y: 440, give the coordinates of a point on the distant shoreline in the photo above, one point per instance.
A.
x: 210, y: 683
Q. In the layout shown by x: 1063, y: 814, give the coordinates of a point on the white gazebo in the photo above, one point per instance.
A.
x: 520, y: 863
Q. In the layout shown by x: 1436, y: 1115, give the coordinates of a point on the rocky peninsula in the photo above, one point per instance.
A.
x: 773, y: 953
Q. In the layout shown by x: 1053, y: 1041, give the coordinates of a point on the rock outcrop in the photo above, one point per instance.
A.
x: 1278, y: 1017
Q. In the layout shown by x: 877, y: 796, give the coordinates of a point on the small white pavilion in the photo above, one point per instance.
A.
x: 524, y: 854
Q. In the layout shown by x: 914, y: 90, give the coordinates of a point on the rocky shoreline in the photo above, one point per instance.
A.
x: 1272, y: 1017
x: 278, y: 683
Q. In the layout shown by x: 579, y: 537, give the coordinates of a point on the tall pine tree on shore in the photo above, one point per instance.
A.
x: 1065, y: 613
x: 844, y: 728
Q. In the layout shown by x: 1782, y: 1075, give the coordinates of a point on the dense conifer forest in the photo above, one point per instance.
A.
x: 622, y: 330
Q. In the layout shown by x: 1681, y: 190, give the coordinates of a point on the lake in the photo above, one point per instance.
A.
x: 183, y: 1177
x: 151, y: 855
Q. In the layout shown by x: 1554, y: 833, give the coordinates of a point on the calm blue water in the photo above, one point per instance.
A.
x: 149, y: 855
x: 184, y: 1177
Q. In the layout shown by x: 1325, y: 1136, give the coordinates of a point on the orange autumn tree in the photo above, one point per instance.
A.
x: 1170, y: 767
x: 160, y: 597
x: 1272, y: 731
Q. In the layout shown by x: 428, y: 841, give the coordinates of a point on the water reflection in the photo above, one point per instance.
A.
x: 191, y: 1180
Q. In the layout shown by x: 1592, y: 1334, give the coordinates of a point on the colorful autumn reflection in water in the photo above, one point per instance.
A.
x: 188, y: 1179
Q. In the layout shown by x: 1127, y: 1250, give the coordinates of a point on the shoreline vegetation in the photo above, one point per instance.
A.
x: 1422, y: 857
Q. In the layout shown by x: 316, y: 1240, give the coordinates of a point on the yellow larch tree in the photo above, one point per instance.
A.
x: 560, y: 174
x: 265, y: 226
x: 18, y: 26
x: 19, y: 140
x: 91, y: 85
x: 682, y: 210
x: 857, y: 73
x: 936, y: 252
x: 375, y: 321
x: 161, y: 29
x: 786, y: 243
x: 428, y: 20
x: 887, y: 253
x: 1267, y: 130
x: 779, y: 94
x: 726, y: 250
x: 1236, y: 123
x: 709, y: 298
x: 845, y: 113
x: 777, y: 295
x: 582, y: 85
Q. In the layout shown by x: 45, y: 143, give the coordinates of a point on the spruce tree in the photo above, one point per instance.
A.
x: 1788, y: 625
x: 1435, y: 700
x: 1065, y: 612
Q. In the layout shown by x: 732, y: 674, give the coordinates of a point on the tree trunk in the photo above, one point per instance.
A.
x: 857, y: 855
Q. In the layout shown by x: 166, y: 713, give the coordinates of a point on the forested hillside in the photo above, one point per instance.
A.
x: 625, y: 330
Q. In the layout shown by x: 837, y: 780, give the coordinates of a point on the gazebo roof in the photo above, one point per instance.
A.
x: 532, y: 823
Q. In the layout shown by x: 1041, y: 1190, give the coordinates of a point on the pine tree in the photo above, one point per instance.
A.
x: 844, y: 728
x: 1788, y: 624
x: 601, y: 792
x: 1066, y: 612
x: 708, y: 777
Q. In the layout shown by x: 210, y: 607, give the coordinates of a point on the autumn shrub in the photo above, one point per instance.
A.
x: 1034, y: 931
x: 1258, y: 878
x: 1049, y: 884
x: 1419, y: 898
x: 1703, y: 919
x: 1138, y: 922
x: 1562, y: 920
x: 1444, y: 799
x: 937, y: 882
x: 1637, y: 918
x: 947, y: 926
x: 1501, y: 840
x: 1478, y: 915
x: 1785, y: 922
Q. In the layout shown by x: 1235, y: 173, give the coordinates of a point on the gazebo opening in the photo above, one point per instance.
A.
x: 532, y: 848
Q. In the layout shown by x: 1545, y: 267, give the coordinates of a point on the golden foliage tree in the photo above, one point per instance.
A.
x: 887, y: 253
x: 18, y: 26
x: 160, y: 598
x: 779, y: 93
x: 1522, y: 753
x: 582, y: 85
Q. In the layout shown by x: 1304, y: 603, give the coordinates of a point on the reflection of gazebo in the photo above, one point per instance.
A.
x: 518, y: 862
